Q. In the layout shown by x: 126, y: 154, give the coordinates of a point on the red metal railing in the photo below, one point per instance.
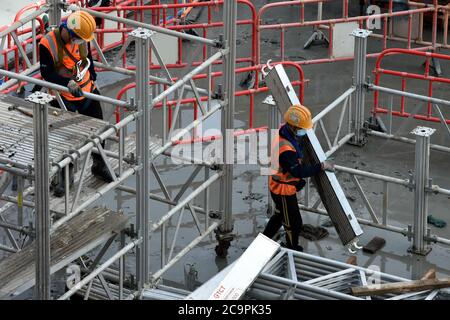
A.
x: 159, y: 14
x: 329, y: 23
x: 192, y: 102
x: 379, y: 71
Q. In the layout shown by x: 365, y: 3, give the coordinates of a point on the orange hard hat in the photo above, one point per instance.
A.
x: 82, y: 24
x: 299, y: 116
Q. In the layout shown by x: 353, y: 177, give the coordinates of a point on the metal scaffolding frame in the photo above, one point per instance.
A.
x: 126, y: 163
x: 293, y: 275
x: 137, y: 157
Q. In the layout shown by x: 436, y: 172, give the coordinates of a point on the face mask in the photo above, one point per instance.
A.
x: 300, y: 133
x: 77, y: 41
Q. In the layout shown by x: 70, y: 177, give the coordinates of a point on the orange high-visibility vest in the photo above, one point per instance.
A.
x: 65, y: 63
x: 281, y: 183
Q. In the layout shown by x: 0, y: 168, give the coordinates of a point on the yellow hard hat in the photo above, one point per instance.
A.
x: 82, y: 24
x: 298, y: 116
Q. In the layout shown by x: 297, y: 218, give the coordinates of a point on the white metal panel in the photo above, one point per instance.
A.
x: 343, y: 42
x: 246, y: 269
x: 110, y: 38
x: 167, y: 47
x: 204, y: 291
x: 400, y: 26
x: 335, y: 183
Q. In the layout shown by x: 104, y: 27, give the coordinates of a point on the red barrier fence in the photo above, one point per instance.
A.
x: 404, y: 76
x: 300, y: 83
x: 299, y: 6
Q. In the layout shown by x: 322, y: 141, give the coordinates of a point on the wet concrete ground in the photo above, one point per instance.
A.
x: 327, y: 82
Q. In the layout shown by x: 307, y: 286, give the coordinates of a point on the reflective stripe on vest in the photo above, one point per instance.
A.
x: 281, y: 183
x: 65, y: 63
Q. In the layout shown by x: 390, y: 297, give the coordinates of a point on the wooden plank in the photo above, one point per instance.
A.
x: 401, y: 287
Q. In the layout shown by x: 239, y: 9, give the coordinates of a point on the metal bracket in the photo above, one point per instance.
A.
x: 361, y: 33
x: 40, y: 98
x: 142, y: 33
x: 215, y: 214
x: 411, y: 185
x: 423, y: 131
x: 224, y: 236
x: 409, y: 233
x: 218, y: 95
x: 130, y: 231
x: 266, y: 66
x: 219, y: 43
x: 353, y: 246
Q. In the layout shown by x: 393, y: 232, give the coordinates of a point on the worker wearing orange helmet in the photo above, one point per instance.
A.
x: 66, y: 59
x: 288, y: 174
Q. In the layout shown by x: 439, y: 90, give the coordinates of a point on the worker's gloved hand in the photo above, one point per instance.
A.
x: 328, y: 166
x: 300, y: 185
x: 74, y: 89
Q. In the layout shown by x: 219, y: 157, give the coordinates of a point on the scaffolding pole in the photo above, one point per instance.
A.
x: 359, y: 71
x: 41, y: 176
x: 223, y: 232
x: 54, y: 12
x: 421, y: 182
x: 143, y: 99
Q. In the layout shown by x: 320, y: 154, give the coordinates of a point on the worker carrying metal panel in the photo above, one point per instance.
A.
x: 288, y: 174
x: 296, y: 155
x: 66, y: 59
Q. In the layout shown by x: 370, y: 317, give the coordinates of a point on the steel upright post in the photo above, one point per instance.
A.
x: 223, y: 233
x: 421, y: 180
x: 274, y: 121
x: 359, y: 78
x: 55, y: 12
x: 41, y: 174
x: 143, y: 100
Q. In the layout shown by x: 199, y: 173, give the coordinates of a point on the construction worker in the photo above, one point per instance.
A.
x: 288, y: 173
x: 66, y: 59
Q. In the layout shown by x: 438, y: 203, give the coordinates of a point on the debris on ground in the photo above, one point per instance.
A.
x: 438, y: 223
x: 374, y: 245
x: 253, y: 196
x: 327, y: 224
x: 313, y: 233
x: 430, y: 274
x: 400, y: 287
x: 352, y: 260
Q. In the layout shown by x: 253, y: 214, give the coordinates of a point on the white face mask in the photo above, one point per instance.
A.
x: 77, y: 41
x: 300, y: 133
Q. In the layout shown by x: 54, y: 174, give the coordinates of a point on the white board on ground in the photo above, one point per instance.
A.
x: 246, y: 269
x: 343, y: 42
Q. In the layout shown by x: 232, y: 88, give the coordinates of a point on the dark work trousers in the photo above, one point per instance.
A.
x: 86, y: 107
x: 287, y: 214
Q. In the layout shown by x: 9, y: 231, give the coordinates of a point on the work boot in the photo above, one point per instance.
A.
x: 99, y: 168
x: 59, y: 190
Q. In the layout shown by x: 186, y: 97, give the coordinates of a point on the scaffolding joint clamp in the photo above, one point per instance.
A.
x: 226, y: 236
x: 215, y: 214
x: 409, y: 233
x: 218, y: 95
x: 74, y: 157
x: 130, y: 231
x: 111, y: 126
x: 93, y: 137
x: 219, y: 43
